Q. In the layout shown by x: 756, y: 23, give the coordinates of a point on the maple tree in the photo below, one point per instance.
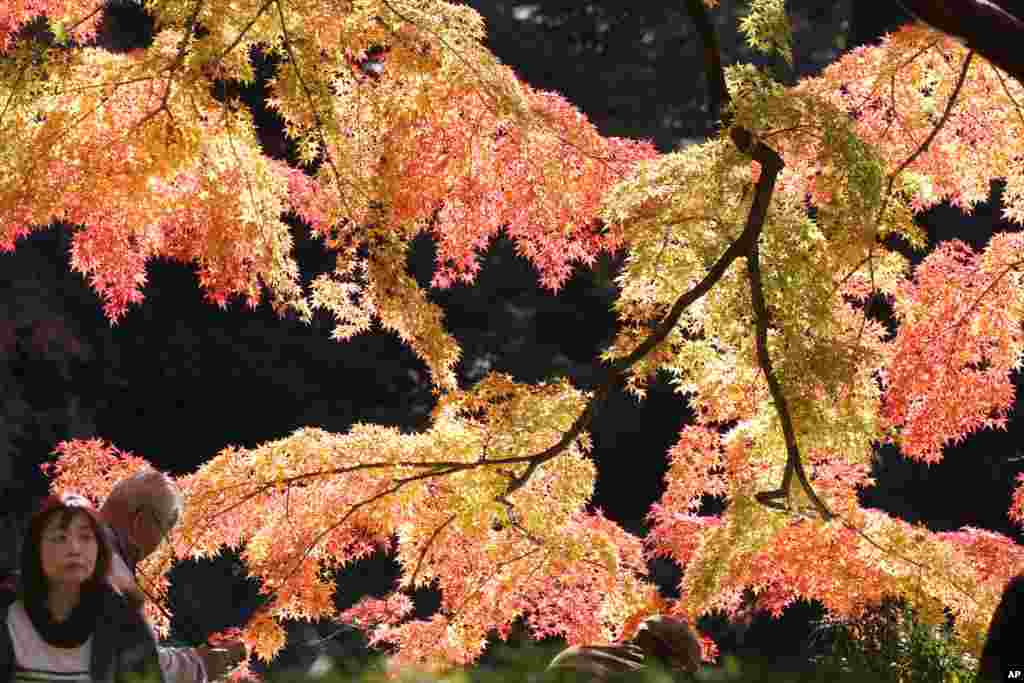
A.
x: 750, y: 262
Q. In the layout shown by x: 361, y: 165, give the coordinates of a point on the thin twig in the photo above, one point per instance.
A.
x: 99, y: 7
x: 14, y: 90
x: 921, y: 149
x: 874, y: 88
x: 497, y: 567
x: 1002, y: 82
x: 942, y: 121
x: 103, y: 84
x: 319, y: 125
x: 426, y: 547
x: 179, y: 59
x: 958, y: 326
x: 238, y: 39
x: 399, y: 485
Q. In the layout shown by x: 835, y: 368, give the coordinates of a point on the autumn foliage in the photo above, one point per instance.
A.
x: 789, y: 375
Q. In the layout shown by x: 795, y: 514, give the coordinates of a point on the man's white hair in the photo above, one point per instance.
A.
x: 146, y: 488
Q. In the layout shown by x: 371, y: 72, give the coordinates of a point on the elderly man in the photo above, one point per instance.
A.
x: 139, y: 512
x: 667, y: 642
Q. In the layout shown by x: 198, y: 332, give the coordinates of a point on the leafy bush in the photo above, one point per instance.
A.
x: 892, y: 643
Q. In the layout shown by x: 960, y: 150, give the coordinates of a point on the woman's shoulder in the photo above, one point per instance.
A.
x: 8, y: 587
x: 6, y: 646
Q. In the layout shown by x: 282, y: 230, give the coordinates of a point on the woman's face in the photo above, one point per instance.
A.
x: 68, y: 549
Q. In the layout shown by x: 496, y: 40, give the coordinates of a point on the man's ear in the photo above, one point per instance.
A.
x: 135, y: 527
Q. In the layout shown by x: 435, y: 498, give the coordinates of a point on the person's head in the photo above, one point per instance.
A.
x: 64, y: 547
x: 596, y: 663
x: 670, y: 640
x: 143, y: 508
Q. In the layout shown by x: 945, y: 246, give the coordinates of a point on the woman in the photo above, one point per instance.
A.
x: 67, y: 625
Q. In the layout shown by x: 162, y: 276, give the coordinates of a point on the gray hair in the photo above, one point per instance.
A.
x: 146, y: 488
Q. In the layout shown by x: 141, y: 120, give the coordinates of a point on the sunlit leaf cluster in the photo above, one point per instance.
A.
x: 312, y: 502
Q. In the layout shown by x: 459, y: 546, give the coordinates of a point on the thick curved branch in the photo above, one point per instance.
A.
x: 771, y: 164
x: 714, y: 274
x: 990, y: 28
x: 794, y: 464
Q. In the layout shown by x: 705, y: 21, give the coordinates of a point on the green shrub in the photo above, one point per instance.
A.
x: 892, y: 644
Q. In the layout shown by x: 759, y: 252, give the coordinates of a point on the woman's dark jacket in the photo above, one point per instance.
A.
x: 122, y: 644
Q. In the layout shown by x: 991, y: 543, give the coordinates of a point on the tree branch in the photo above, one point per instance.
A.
x: 238, y: 39
x: 498, y: 567
x: 771, y: 165
x: 73, y: 27
x: 987, y: 27
x: 746, y: 244
x: 426, y: 547
x: 287, y: 41
x: 718, y: 93
x: 942, y: 121
x: 921, y: 149
x: 794, y: 464
x: 179, y: 59
x: 399, y: 484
